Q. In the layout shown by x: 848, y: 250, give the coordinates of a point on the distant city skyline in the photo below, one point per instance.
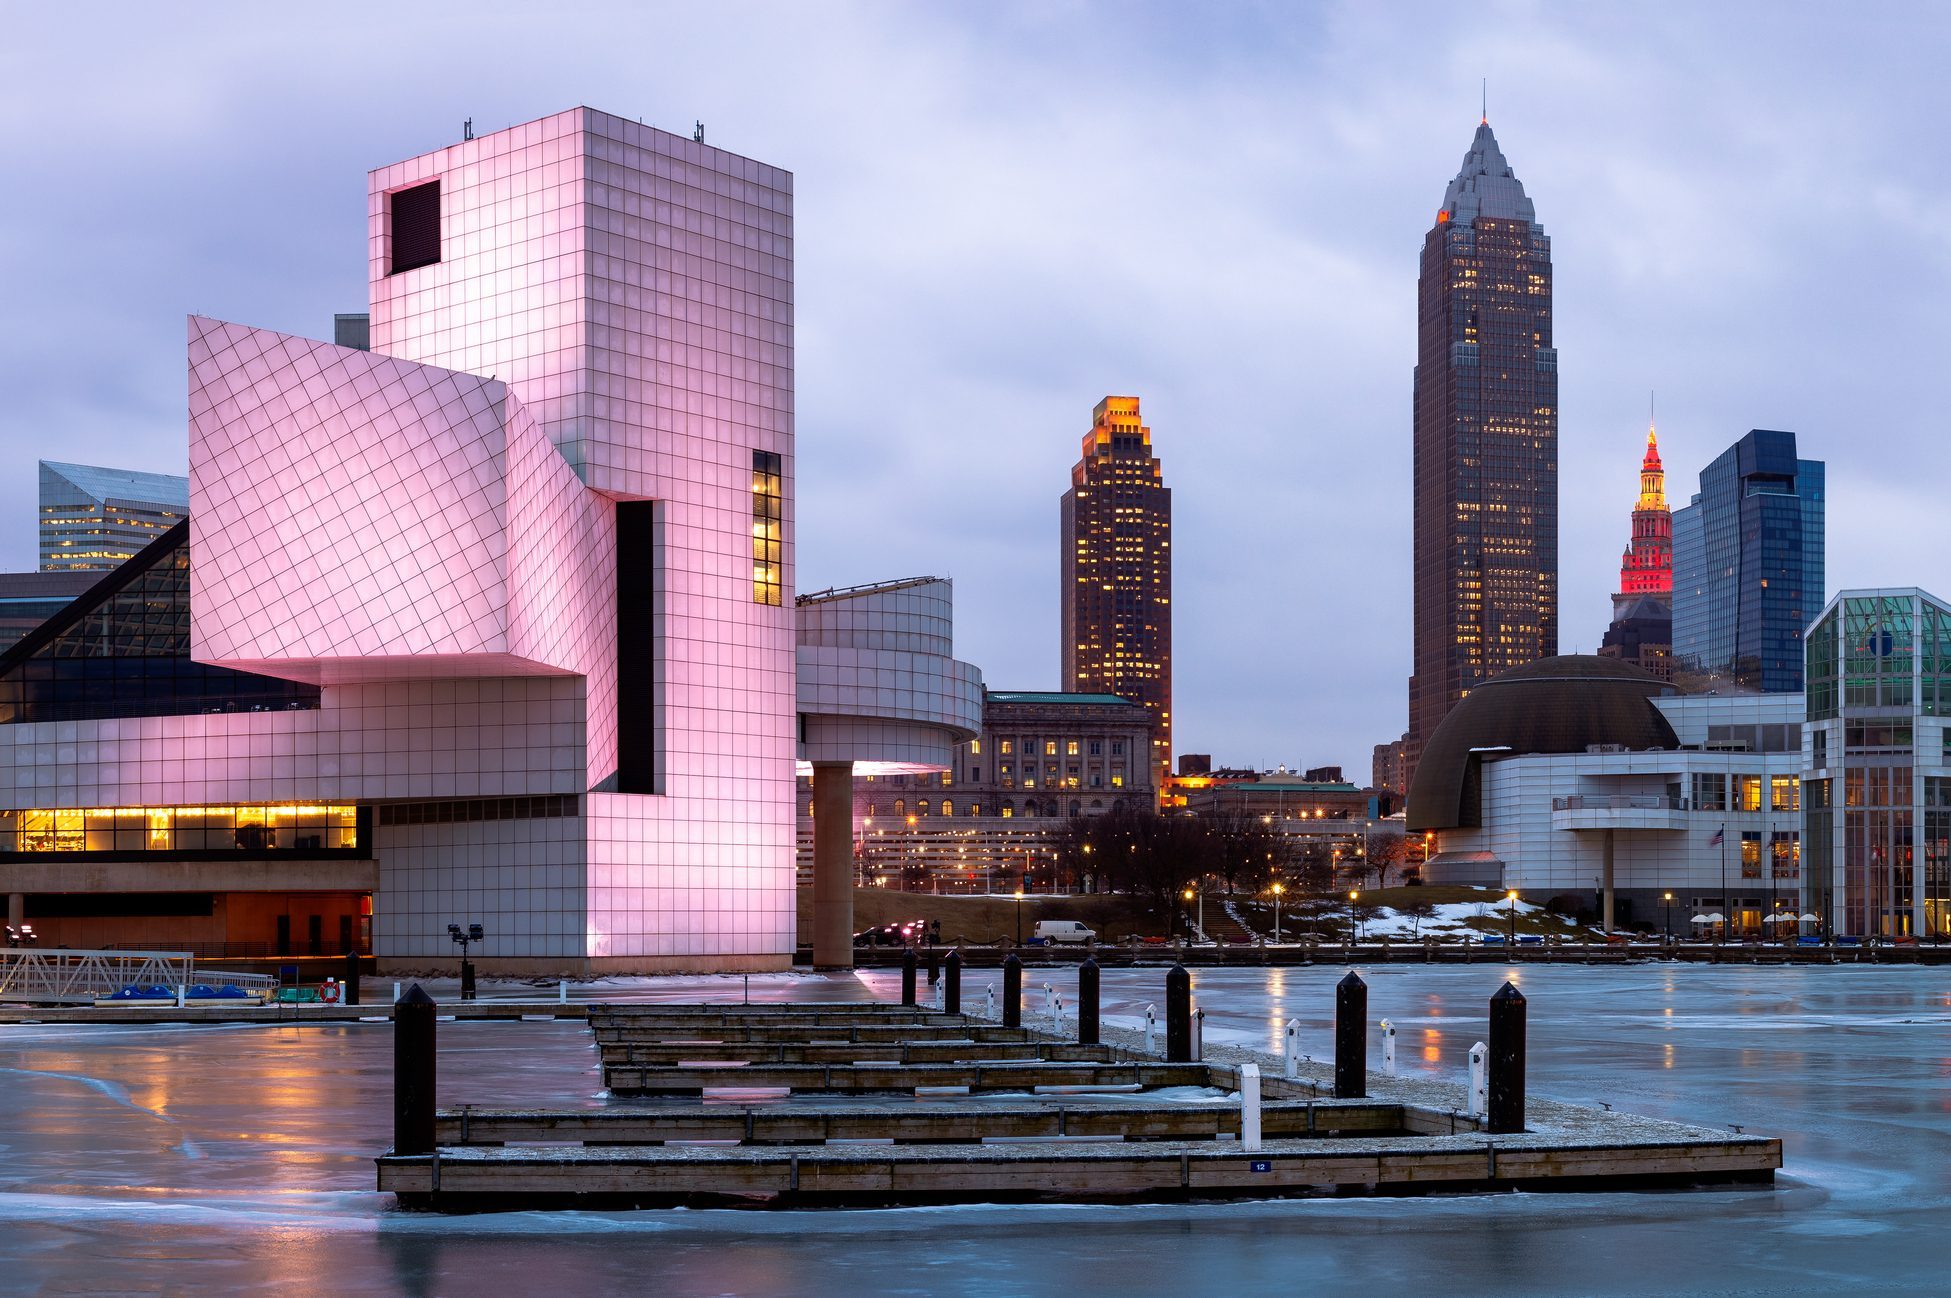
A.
x: 1247, y: 269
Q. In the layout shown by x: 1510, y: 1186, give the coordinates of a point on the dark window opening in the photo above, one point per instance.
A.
x: 636, y: 646
x: 414, y: 216
x: 116, y: 905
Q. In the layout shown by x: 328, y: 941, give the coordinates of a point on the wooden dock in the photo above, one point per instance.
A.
x: 288, y: 1014
x: 839, y: 1103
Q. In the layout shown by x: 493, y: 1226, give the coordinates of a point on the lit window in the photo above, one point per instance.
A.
x: 768, y: 514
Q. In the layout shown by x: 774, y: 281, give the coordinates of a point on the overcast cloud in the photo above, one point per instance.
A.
x: 1004, y: 213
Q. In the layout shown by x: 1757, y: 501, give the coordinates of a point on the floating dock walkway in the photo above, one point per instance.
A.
x: 799, y: 1104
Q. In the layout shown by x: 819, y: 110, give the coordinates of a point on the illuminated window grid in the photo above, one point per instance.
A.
x: 272, y: 827
x: 768, y: 511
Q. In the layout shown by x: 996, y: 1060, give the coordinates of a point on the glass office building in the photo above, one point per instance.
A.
x: 92, y: 519
x: 1748, y: 564
x: 1877, y: 788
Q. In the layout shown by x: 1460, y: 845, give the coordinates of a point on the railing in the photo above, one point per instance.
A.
x: 34, y: 974
x: 297, y: 948
x: 1617, y: 802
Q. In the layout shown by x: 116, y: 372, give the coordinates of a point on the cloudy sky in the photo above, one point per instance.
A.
x: 1006, y: 212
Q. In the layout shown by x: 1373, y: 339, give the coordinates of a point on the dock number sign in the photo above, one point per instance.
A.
x: 1261, y: 1165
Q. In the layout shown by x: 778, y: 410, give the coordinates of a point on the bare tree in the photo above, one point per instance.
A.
x: 1387, y: 851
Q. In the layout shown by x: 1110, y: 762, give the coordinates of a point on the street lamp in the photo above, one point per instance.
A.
x: 461, y: 937
x: 1277, y: 892
x: 1019, y: 917
x: 1199, y: 930
x: 1510, y: 926
x: 1666, y: 921
x: 1352, y: 895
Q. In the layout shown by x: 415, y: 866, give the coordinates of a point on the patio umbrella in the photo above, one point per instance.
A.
x: 1707, y: 919
x: 1780, y: 917
x: 1810, y: 919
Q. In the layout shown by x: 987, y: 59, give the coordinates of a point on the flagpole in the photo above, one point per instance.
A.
x: 1725, y: 906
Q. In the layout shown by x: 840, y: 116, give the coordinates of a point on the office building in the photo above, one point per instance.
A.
x: 492, y: 623
x: 1748, y: 565
x: 1117, y: 573
x: 991, y: 819
x: 1386, y: 767
x: 1877, y: 794
x: 92, y: 518
x: 1486, y: 442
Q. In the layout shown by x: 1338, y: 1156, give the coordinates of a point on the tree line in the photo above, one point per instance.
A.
x: 1156, y: 857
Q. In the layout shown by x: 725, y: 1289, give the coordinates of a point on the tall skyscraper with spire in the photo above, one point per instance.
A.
x: 1642, y: 609
x: 1117, y: 572
x: 1646, y: 568
x: 1486, y: 442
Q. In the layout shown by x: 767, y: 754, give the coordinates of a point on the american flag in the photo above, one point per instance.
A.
x: 1719, y: 835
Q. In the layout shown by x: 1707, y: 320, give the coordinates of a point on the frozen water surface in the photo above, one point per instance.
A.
x: 235, y: 1159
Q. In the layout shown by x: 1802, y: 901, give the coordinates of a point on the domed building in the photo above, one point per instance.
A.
x: 1586, y: 777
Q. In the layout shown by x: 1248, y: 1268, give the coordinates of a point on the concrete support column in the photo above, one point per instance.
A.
x: 1605, y: 880
x: 833, y: 865
x: 16, y: 908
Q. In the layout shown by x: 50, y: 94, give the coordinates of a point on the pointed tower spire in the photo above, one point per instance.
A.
x: 1646, y: 568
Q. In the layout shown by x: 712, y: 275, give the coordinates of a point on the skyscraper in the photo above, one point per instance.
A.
x: 1748, y: 563
x: 1486, y: 442
x: 1646, y: 568
x: 92, y: 519
x: 1642, y: 609
x: 1117, y: 572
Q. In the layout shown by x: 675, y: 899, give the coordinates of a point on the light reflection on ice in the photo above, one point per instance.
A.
x: 1847, y: 1065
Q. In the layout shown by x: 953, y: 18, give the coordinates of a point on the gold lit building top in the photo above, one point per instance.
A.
x: 1117, y: 571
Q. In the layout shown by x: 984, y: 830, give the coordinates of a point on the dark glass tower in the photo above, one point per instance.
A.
x: 1486, y: 442
x: 1117, y: 572
x: 1748, y: 564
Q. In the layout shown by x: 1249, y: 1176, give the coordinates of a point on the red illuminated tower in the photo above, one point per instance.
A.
x: 1647, y: 566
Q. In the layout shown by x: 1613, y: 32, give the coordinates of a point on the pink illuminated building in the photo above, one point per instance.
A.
x: 493, y: 623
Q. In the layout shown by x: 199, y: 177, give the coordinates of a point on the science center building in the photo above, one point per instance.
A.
x: 493, y: 623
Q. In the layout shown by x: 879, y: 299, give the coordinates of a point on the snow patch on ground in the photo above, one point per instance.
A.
x: 1449, y: 919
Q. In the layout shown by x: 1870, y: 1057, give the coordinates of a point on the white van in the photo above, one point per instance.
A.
x: 1063, y: 930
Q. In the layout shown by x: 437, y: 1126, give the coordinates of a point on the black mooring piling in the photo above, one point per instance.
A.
x: 413, y: 1073
x: 1506, y: 1100
x: 1351, y: 1037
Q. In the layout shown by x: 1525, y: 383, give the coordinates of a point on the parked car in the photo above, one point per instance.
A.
x: 903, y: 934
x: 1062, y: 930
